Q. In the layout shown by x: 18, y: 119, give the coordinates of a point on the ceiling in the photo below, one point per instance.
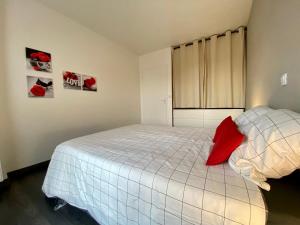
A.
x: 147, y: 25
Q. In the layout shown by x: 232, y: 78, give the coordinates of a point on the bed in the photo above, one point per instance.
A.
x: 151, y: 175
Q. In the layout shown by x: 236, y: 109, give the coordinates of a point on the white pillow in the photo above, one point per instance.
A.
x: 271, y: 149
x: 251, y: 115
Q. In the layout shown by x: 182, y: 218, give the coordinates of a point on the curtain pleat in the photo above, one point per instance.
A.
x: 184, y: 77
x: 239, y: 68
x: 196, y: 72
x: 202, y: 74
x: 212, y: 94
x: 227, y: 100
x: 211, y: 73
x: 176, y: 79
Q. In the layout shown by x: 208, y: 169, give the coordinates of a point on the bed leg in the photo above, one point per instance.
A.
x: 60, y: 203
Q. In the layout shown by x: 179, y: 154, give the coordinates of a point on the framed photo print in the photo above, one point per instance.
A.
x: 38, y: 60
x: 39, y: 87
x: 72, y: 80
x: 89, y: 83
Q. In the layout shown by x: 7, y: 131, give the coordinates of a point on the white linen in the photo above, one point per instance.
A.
x: 272, y: 148
x: 251, y: 115
x: 151, y: 175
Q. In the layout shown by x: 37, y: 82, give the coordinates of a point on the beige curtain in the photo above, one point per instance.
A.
x: 211, y: 73
x: 186, y: 76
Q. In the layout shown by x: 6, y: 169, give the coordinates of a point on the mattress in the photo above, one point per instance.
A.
x: 151, y: 175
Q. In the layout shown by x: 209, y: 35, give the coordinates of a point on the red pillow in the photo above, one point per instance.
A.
x: 229, y: 140
x: 222, y: 127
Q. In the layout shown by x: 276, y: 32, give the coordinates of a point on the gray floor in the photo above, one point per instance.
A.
x: 284, y: 200
x: 23, y: 203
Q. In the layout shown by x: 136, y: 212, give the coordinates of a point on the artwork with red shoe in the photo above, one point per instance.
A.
x: 38, y: 60
x: 40, y: 87
x: 72, y: 80
x: 89, y: 83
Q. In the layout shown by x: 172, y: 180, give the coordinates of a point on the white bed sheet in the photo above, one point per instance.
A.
x: 151, y: 175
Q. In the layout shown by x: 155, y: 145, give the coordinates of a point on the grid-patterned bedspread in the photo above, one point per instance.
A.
x: 151, y: 175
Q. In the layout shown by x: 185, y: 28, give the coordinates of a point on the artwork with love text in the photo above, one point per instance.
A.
x: 72, y: 80
x: 78, y: 81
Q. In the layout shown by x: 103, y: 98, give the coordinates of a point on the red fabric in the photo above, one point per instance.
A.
x: 38, y: 90
x: 222, y: 127
x: 229, y: 140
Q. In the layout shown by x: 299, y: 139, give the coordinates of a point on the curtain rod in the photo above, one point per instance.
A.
x: 208, y: 38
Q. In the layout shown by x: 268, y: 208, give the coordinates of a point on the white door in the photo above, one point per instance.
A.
x: 156, y: 88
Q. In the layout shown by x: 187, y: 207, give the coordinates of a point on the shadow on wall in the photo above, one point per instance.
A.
x: 277, y: 100
x: 286, y: 96
x: 6, y: 148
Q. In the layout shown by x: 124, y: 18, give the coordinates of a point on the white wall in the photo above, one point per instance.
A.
x: 156, y: 87
x: 38, y: 125
x: 4, y: 132
x: 273, y: 49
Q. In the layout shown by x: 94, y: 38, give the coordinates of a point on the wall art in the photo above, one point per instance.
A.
x: 89, y: 83
x: 38, y: 60
x: 40, y: 87
x: 72, y: 80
